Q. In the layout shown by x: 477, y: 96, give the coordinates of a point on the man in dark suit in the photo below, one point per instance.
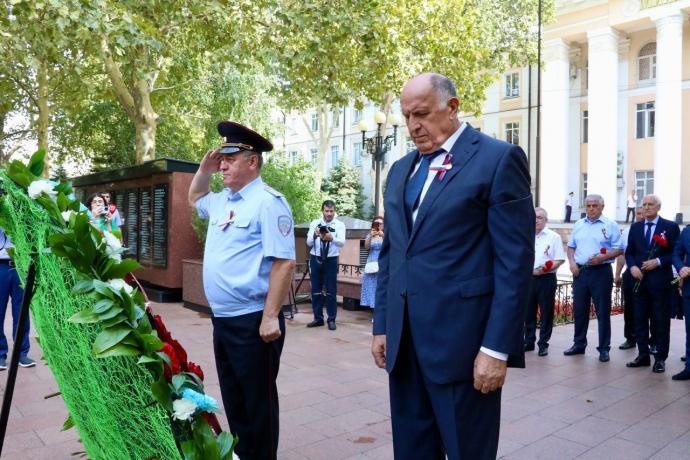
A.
x: 450, y: 301
x: 681, y: 260
x: 649, y: 262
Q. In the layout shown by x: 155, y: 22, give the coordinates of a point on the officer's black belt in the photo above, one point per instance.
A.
x: 593, y: 267
x: 7, y: 262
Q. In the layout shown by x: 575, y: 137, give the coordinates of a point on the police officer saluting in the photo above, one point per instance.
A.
x: 248, y: 267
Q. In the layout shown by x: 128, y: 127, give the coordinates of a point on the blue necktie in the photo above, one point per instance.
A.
x: 648, y: 233
x: 414, y: 186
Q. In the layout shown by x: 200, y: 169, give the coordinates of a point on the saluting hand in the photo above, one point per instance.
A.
x: 210, y: 164
x: 269, y: 329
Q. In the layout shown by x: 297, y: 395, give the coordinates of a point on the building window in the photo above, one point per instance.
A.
x: 512, y: 85
x: 409, y: 145
x: 357, y: 151
x: 293, y: 157
x: 336, y: 121
x: 646, y: 62
x: 293, y: 126
x: 644, y: 184
x: 587, y: 74
x: 314, y: 122
x: 356, y: 116
x: 335, y: 155
x: 644, y: 120
x: 585, y: 126
x: 583, y: 186
x: 513, y: 133
x: 314, y: 154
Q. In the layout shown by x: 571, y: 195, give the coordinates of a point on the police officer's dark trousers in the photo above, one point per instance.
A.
x: 593, y: 284
x: 324, y: 272
x: 247, y: 371
x: 542, y: 295
x: 10, y: 285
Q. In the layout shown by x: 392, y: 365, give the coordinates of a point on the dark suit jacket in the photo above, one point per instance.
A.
x: 466, y: 267
x: 681, y: 258
x: 638, y: 251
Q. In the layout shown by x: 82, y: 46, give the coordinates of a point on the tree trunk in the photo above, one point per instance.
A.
x: 145, y: 123
x: 43, y: 116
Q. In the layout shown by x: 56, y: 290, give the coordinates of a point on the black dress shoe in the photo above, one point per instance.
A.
x: 604, y: 356
x: 682, y: 358
x: 684, y: 375
x: 659, y: 367
x: 316, y: 323
x: 529, y: 347
x: 574, y: 350
x: 543, y: 351
x: 639, y: 362
x: 627, y: 345
x: 331, y: 326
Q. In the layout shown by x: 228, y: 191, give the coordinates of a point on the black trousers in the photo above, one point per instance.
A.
x: 629, y: 312
x: 542, y: 295
x: 431, y: 421
x: 630, y: 215
x: 247, y: 371
x: 324, y: 274
x: 594, y: 284
x: 655, y: 304
x: 568, y: 212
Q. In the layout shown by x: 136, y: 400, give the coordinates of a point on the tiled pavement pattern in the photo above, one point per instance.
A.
x: 334, y: 402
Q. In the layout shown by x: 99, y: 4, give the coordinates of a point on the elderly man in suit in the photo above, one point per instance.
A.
x: 681, y: 260
x: 450, y: 302
x: 650, y: 264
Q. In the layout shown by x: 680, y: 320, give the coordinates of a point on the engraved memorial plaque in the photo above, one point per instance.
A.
x: 160, y: 225
x: 145, y: 226
x: 132, y: 223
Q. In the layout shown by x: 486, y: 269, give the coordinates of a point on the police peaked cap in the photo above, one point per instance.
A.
x: 237, y: 138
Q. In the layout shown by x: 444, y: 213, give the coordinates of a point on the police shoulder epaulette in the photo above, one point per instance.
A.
x: 273, y: 191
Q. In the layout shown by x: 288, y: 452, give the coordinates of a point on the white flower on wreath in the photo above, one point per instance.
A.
x: 183, y: 409
x: 39, y: 186
x: 118, y: 284
x: 112, y: 244
x: 66, y: 215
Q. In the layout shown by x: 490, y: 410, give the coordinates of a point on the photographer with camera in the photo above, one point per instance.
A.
x: 99, y: 214
x: 326, y: 236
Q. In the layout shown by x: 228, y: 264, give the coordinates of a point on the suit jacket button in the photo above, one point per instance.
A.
x: 409, y: 256
x: 402, y: 294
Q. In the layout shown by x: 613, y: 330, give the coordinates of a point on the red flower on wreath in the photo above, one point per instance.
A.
x: 174, y: 360
x: 196, y: 369
x: 547, y: 266
x: 181, y: 354
x: 160, y: 328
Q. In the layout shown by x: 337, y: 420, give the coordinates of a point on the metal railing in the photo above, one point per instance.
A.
x: 563, y: 306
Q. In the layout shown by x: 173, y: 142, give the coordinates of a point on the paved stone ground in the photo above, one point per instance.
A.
x: 334, y: 402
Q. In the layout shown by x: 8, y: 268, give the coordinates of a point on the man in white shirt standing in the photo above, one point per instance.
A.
x: 548, y: 256
x: 569, y: 207
x: 632, y: 204
x: 325, y: 238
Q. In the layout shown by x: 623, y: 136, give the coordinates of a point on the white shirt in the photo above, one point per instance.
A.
x: 548, y: 245
x: 569, y: 201
x: 632, y: 201
x: 338, y: 238
x: 438, y: 161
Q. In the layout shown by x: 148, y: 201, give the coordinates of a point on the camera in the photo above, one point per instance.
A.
x: 104, y: 211
x: 323, y: 229
x: 376, y: 226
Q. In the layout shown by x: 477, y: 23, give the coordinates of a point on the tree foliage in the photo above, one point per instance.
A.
x: 345, y: 188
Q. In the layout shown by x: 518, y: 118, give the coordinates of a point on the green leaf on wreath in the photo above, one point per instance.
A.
x: 178, y: 382
x: 20, y: 174
x: 63, y: 202
x: 85, y: 316
x: 112, y: 313
x: 226, y: 442
x: 109, y: 337
x: 161, y: 391
x: 121, y: 270
x: 36, y: 163
x: 119, y: 350
x: 68, y: 424
x: 203, y: 435
x: 83, y: 287
x: 103, y: 305
x: 151, y: 343
x: 190, y: 450
x: 146, y: 359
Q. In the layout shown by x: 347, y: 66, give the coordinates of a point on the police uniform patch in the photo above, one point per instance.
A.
x: 273, y: 191
x: 284, y: 225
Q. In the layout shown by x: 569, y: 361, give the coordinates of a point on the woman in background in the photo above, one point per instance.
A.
x: 371, y: 270
x: 99, y: 214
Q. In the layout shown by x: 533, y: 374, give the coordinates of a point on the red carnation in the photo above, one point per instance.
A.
x: 160, y: 328
x: 660, y: 240
x: 547, y: 266
x: 170, y: 351
x: 195, y: 369
x: 180, y: 352
x: 603, y: 250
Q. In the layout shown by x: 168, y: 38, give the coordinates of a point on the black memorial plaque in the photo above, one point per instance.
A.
x: 131, y: 215
x: 160, y: 225
x: 145, y: 226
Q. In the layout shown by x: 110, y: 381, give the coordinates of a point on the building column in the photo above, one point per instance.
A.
x: 669, y: 110
x: 603, y: 116
x: 553, y: 156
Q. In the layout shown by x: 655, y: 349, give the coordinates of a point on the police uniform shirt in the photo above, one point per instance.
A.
x: 247, y: 230
x: 4, y: 244
x: 117, y: 219
x: 337, y: 242
x: 588, y: 238
x: 548, y: 245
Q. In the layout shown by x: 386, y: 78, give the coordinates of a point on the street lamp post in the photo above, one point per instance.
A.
x: 378, y: 146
